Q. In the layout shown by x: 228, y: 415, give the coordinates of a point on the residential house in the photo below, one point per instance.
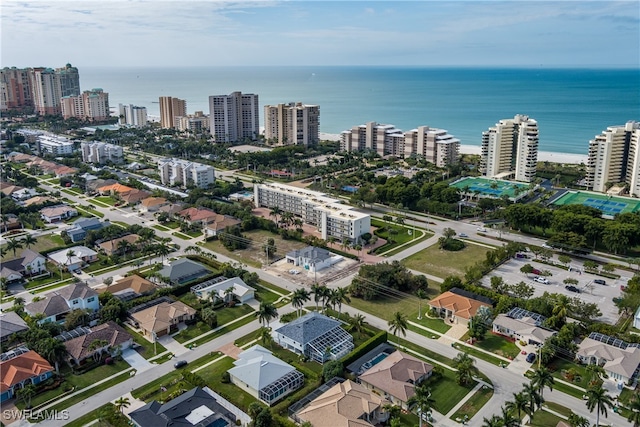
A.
x: 30, y: 263
x: 223, y: 287
x: 10, y: 325
x: 61, y: 171
x: 458, y: 306
x: 346, y: 404
x: 202, y: 216
x: 161, y: 316
x: 129, y: 287
x: 113, y: 189
x: 219, y: 224
x: 196, y: 407
x: 184, y: 270
x: 23, y: 194
x: 114, y: 336
x: 93, y: 186
x: 152, y: 204
x: 134, y: 196
x: 315, y: 335
x: 23, y: 368
x: 8, y: 189
x: 82, y: 255
x: 172, y: 208
x: 12, y: 223
x: 522, y: 325
x: 258, y: 372
x: 57, y: 213
x: 113, y: 246
x: 79, y: 228
x: 57, y: 304
x: 619, y: 359
x: 396, y: 376
x: 37, y: 200
x: 312, y: 258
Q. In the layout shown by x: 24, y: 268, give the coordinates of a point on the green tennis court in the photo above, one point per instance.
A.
x: 609, y: 205
x: 490, y: 187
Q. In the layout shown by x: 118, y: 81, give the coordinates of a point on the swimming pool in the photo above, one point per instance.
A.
x: 373, y: 362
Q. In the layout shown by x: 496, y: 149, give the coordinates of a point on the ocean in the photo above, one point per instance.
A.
x: 570, y: 105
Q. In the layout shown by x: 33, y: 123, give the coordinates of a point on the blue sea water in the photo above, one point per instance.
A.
x: 570, y: 105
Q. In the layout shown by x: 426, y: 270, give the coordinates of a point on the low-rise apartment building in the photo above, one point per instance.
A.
x: 184, y: 173
x: 329, y: 215
x: 101, y: 152
x: 53, y: 144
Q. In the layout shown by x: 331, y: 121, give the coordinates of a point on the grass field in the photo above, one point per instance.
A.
x: 473, y: 405
x: 254, y: 255
x: 106, y: 200
x: 609, y: 205
x: 396, y: 234
x: 441, y: 263
x: 43, y: 243
x: 498, y: 345
x: 446, y: 392
x: 542, y: 418
x: 489, y: 187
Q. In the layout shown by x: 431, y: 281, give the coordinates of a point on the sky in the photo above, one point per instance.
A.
x: 391, y: 33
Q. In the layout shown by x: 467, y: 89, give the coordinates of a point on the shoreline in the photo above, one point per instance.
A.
x: 543, y: 156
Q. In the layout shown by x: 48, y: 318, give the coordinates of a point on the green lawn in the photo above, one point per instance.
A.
x: 54, y: 277
x: 446, y: 392
x: 191, y: 332
x: 385, y: 307
x: 213, y: 377
x: 43, y: 243
x: 542, y: 418
x: 72, y: 191
x: 441, y: 263
x: 160, y: 227
x: 105, y: 200
x: 398, y: 234
x: 563, y: 369
x: 558, y: 408
x: 265, y: 295
x: 498, y: 345
x: 224, y: 330
x: 228, y: 314
x: 147, y: 348
x: 437, y: 325
x: 473, y: 405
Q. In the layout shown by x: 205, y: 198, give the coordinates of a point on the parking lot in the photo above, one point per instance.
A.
x: 590, y: 292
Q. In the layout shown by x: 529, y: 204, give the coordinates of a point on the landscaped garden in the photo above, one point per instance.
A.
x: 473, y: 405
x: 496, y: 344
x: 396, y: 234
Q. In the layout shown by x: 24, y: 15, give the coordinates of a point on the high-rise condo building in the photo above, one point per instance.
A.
x: 197, y: 123
x: 292, y: 124
x: 131, y: 115
x: 234, y: 117
x: 90, y: 105
x: 510, y: 149
x: 614, y: 158
x: 101, y: 152
x: 329, y: 215
x: 434, y: 145
x: 185, y: 173
x: 46, y: 91
x: 15, y: 89
x: 383, y: 139
x: 170, y: 108
x: 69, y: 80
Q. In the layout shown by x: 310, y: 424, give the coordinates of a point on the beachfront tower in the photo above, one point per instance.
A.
x: 510, y: 149
x: 170, y: 108
x: 614, y: 158
x: 433, y: 145
x: 292, y: 124
x: 234, y: 117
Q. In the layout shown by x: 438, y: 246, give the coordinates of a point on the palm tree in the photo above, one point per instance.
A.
x: 275, y: 211
x: 53, y: 350
x: 13, y: 245
x: 494, y: 421
x: 341, y: 295
x: 508, y: 419
x: 561, y: 307
x: 598, y: 399
x: 228, y: 293
x: 421, y: 401
x: 299, y: 297
x: 266, y: 312
x: 535, y: 400
x: 520, y: 403
x: 465, y: 367
x: 357, y: 324
x: 318, y: 292
x: 29, y: 240
x: 542, y: 378
x: 576, y: 420
x: 634, y: 406
x: 124, y: 246
x: 26, y: 393
x: 398, y: 324
x: 121, y: 403
x: 96, y: 346
x: 266, y: 337
x: 70, y: 254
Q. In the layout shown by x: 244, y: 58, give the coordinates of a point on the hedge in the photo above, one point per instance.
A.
x: 362, y: 349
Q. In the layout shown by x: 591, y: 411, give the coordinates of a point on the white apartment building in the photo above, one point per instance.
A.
x: 614, y: 157
x: 329, y: 215
x: 101, y: 152
x: 132, y: 115
x: 234, y: 117
x: 54, y: 144
x: 372, y: 136
x: 292, y: 124
x: 198, y: 122
x: 510, y: 149
x: 434, y: 145
x: 184, y: 173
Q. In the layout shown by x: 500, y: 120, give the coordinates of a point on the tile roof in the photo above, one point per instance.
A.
x: 38, y: 200
x: 308, y: 327
x: 56, y: 210
x: 134, y: 195
x: 396, y: 374
x: 343, y: 405
x: 618, y: 360
x: 113, y: 334
x: 153, y: 201
x: 11, y: 323
x: 159, y: 317
x: 182, y: 268
x: 134, y: 282
x: 460, y: 306
x: 114, y: 188
x: 198, y: 214
x: 22, y: 367
x: 76, y: 290
x: 50, y: 306
x: 525, y: 326
x: 110, y: 246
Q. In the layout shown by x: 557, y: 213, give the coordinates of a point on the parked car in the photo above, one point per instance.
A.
x: 623, y: 288
x: 521, y: 256
x: 462, y: 235
x: 482, y: 230
x: 531, y: 357
x: 599, y: 281
x: 541, y: 280
x: 572, y: 288
x: 536, y: 271
x: 180, y: 364
x: 544, y: 245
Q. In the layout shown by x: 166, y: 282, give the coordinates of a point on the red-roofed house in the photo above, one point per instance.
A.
x: 457, y: 308
x: 21, y: 370
x: 198, y: 215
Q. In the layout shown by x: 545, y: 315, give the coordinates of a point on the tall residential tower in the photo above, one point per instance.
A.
x: 510, y: 149
x: 234, y: 117
x: 170, y: 108
x: 292, y: 124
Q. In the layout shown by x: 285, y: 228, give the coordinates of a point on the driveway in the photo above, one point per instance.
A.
x: 136, y: 361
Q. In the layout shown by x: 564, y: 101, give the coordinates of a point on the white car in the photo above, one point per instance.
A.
x: 541, y: 280
x: 482, y: 230
x: 294, y: 272
x: 462, y: 235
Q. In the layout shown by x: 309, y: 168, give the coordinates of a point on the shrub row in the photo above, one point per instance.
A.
x: 362, y: 349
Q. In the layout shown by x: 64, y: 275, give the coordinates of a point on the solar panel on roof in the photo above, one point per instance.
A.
x: 609, y: 340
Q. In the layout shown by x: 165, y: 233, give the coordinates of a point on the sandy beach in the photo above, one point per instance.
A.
x: 543, y: 156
